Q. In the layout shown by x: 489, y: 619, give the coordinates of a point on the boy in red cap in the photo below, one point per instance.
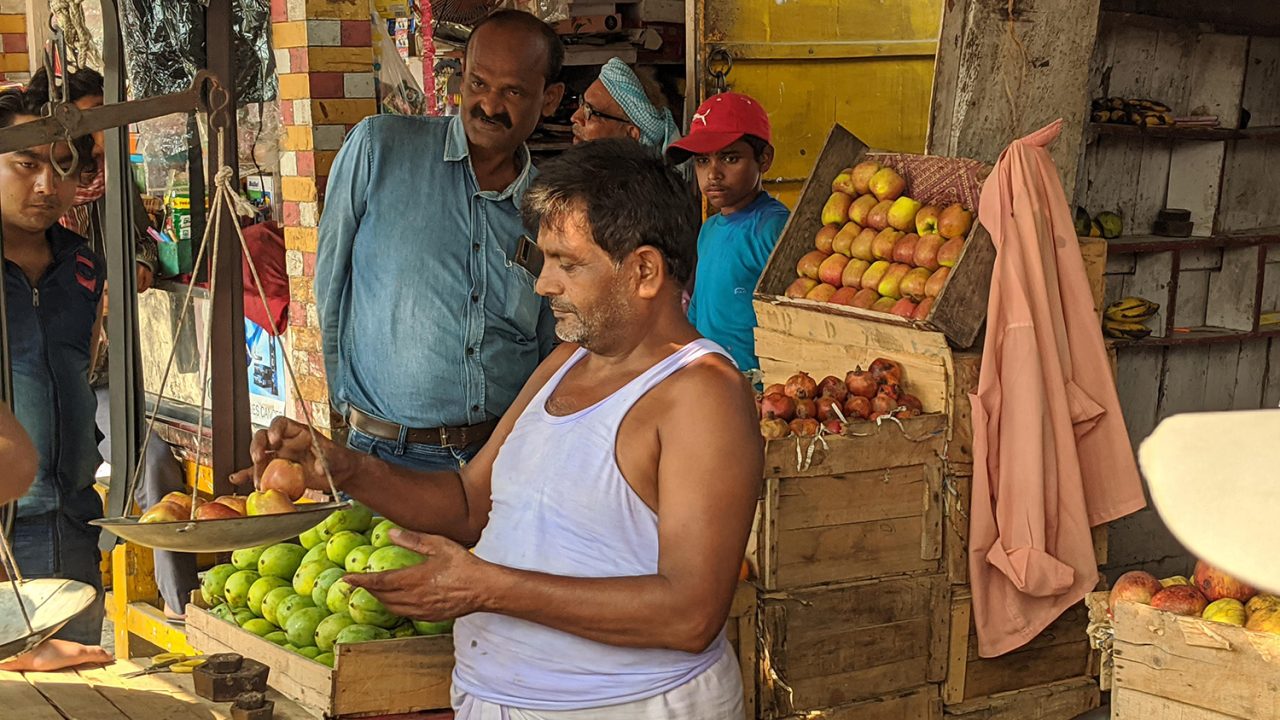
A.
x: 729, y: 141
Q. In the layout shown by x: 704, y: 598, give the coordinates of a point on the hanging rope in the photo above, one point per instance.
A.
x: 70, y: 17
x: 225, y: 197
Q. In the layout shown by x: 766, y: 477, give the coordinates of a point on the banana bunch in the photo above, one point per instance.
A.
x: 1131, y: 111
x: 1125, y: 318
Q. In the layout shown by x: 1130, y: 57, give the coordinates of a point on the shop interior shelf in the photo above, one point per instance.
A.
x: 1138, y: 244
x: 1204, y: 336
x: 1176, y: 132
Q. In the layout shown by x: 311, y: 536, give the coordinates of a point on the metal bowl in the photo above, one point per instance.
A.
x: 224, y: 535
x: 50, y: 604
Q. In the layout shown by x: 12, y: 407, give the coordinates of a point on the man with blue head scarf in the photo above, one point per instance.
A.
x: 620, y: 104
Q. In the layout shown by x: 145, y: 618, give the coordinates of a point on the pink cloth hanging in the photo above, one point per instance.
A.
x: 1052, y: 457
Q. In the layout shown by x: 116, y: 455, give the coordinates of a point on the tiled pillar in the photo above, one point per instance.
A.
x: 324, y: 59
x: 14, y: 59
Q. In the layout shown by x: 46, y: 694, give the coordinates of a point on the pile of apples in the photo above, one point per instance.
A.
x: 805, y: 408
x: 1209, y: 593
x: 879, y: 249
x: 282, y: 485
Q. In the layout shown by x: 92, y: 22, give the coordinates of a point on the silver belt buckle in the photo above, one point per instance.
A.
x: 444, y: 437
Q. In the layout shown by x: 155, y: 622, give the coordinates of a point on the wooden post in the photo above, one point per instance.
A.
x: 37, y: 31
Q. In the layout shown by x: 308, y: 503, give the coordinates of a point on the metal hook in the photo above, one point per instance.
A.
x: 219, y: 100
x: 719, y: 65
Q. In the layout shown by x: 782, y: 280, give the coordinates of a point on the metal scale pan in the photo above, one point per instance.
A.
x: 49, y: 603
x: 223, y: 535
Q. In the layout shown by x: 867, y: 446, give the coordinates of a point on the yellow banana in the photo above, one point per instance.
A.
x: 1131, y: 309
x: 1126, y: 330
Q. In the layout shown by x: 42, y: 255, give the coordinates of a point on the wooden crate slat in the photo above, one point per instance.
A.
x: 1063, y: 700
x: 840, y: 644
x: 1213, y: 666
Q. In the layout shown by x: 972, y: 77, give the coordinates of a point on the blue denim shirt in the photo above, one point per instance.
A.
x: 426, y: 320
x: 50, y: 340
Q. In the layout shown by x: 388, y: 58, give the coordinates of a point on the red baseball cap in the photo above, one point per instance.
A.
x: 721, y: 121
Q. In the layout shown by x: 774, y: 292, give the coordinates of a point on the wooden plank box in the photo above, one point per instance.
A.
x: 381, y: 677
x: 1171, y: 666
x: 1060, y: 652
x: 921, y: 703
x: 1064, y: 700
x: 960, y: 309
x: 842, y: 644
x: 405, y: 675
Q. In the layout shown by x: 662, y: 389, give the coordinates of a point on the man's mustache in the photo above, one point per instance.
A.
x: 502, y: 119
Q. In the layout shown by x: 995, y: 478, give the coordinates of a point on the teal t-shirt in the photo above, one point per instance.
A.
x: 732, y: 252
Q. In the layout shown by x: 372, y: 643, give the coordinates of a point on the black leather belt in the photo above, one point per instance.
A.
x: 442, y: 436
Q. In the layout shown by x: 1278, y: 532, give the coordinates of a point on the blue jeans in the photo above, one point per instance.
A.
x: 418, y: 456
x: 54, y: 545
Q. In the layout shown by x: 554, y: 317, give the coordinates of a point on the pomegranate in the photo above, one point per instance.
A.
x: 801, y: 387
x: 833, y: 387
x: 911, y: 402
x: 804, y: 427
x: 806, y: 409
x: 833, y: 426
x: 883, y: 404
x: 857, y: 407
x: 859, y: 382
x: 891, y: 389
x: 773, y: 428
x: 826, y: 411
x: 884, y: 370
x: 775, y: 388
x: 777, y: 405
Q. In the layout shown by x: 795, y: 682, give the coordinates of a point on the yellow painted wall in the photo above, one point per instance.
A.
x: 866, y: 64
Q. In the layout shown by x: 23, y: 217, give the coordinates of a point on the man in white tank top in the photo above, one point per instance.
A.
x: 610, y: 508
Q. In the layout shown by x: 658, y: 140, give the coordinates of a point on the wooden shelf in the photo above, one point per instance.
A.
x: 1188, y: 132
x: 1203, y: 336
x: 1139, y: 244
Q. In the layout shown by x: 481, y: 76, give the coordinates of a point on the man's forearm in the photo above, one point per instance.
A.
x: 429, y: 502
x: 649, y: 611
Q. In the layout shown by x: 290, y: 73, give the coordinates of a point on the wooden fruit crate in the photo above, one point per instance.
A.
x: 1064, y: 700
x: 868, y: 503
x: 1060, y: 652
x: 841, y: 644
x: 1171, y: 666
x: 960, y: 309
x: 381, y: 677
x: 920, y: 703
x: 405, y: 675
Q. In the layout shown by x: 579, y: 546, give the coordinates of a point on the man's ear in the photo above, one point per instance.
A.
x: 766, y: 159
x: 551, y: 98
x: 651, y: 271
x: 633, y: 132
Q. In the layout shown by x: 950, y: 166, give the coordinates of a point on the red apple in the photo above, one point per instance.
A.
x: 861, y: 208
x: 216, y: 511
x: 235, y: 502
x: 862, y: 173
x: 1180, y: 600
x: 1133, y: 586
x: 905, y: 307
x: 286, y: 476
x: 954, y: 221
x: 922, y: 310
x: 825, y: 235
x: 904, y: 251
x: 861, y: 247
x: 832, y: 269
x: 1215, y: 584
x: 865, y: 298
x: 852, y: 275
x: 821, y: 292
x: 933, y: 286
x: 949, y: 253
x: 800, y: 287
x: 807, y: 265
x: 164, y: 512
x: 927, y: 220
x: 844, y: 296
x: 843, y: 239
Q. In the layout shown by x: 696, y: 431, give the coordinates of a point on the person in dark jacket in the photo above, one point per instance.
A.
x: 53, y: 286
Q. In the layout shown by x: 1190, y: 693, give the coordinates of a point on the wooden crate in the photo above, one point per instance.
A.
x: 404, y: 675
x: 1171, y: 666
x: 381, y: 677
x: 1060, y: 652
x: 1064, y: 700
x: 961, y: 307
x: 920, y: 703
x: 836, y: 645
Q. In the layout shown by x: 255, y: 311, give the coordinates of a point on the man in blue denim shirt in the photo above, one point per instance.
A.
x: 430, y: 324
x: 53, y: 286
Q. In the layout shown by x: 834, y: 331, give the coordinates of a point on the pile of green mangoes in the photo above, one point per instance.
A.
x: 293, y: 594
